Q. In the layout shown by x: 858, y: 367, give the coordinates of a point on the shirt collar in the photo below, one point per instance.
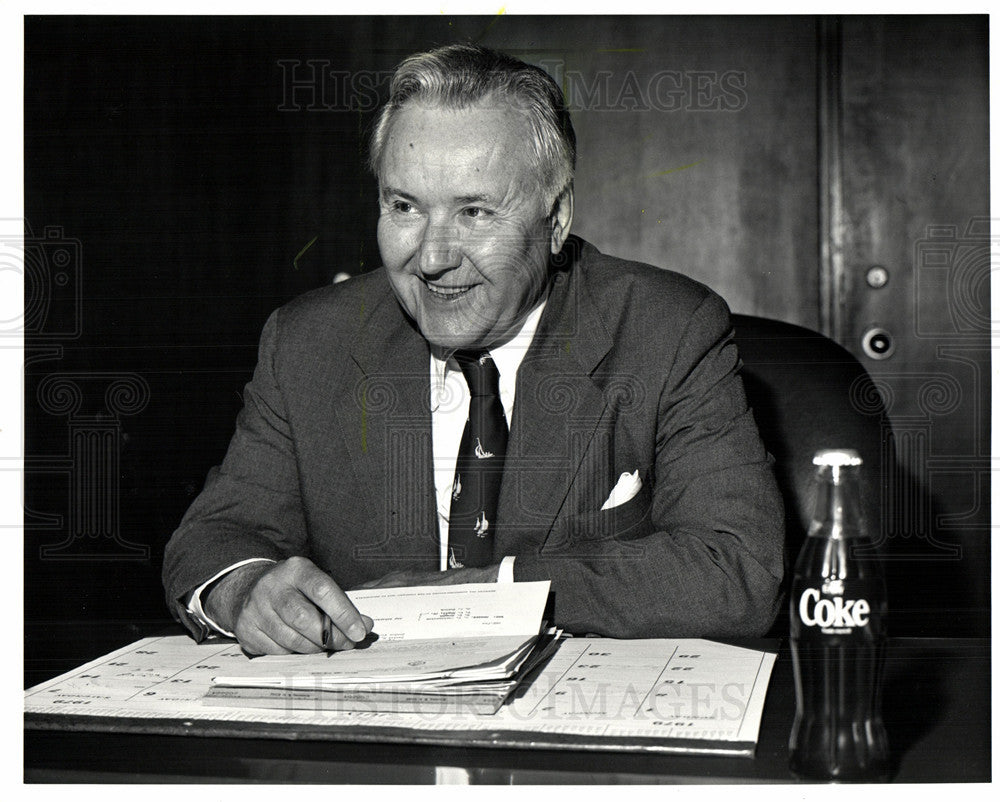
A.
x: 507, y: 357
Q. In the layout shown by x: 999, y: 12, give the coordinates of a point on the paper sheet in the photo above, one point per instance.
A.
x: 454, y: 611
x: 395, y: 661
x: 643, y: 693
x: 477, y: 631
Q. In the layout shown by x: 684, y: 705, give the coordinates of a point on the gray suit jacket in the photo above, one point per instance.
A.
x: 632, y: 367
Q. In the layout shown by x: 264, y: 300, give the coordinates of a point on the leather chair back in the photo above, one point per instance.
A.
x: 808, y: 393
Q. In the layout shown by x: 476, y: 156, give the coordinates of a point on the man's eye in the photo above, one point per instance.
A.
x: 475, y: 211
x: 402, y: 207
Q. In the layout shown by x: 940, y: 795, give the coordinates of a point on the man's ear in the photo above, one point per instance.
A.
x: 561, y: 218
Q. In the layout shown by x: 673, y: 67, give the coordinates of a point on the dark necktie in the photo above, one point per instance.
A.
x: 479, y: 468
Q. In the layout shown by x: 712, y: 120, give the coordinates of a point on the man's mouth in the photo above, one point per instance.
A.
x: 448, y: 293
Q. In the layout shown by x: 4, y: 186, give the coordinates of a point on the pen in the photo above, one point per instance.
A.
x: 327, y: 635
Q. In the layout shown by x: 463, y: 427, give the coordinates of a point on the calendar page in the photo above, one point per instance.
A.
x: 594, y: 693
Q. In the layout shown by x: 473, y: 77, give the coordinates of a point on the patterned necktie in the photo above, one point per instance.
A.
x: 479, y: 468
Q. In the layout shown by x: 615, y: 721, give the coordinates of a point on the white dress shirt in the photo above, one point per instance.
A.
x: 449, y: 410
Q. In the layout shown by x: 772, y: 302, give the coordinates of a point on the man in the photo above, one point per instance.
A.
x: 622, y: 464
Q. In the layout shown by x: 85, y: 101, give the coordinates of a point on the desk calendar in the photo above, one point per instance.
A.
x: 595, y: 693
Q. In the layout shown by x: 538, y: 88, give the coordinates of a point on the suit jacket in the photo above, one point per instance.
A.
x: 632, y: 367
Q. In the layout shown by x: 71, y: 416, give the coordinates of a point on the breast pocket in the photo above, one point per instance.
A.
x: 598, y: 530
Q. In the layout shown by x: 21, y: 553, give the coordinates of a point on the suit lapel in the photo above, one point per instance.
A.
x: 558, y: 414
x: 393, y: 454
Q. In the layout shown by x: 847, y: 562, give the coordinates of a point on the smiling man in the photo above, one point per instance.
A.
x: 466, y: 230
x: 498, y: 402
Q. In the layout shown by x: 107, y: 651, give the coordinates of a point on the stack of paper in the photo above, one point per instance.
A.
x: 434, y: 649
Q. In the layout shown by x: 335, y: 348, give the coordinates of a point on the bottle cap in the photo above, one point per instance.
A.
x: 838, y: 457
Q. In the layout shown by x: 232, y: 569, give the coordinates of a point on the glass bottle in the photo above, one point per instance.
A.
x: 838, y: 635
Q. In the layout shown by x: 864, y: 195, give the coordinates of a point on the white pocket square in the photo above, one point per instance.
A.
x: 628, y: 485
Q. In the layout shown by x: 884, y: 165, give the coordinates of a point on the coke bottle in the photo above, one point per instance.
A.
x: 838, y: 634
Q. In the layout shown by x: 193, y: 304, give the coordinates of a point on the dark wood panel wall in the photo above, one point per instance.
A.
x: 912, y: 288
x: 186, y: 176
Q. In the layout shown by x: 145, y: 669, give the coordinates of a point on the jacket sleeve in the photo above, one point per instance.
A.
x: 700, y: 551
x: 250, y: 505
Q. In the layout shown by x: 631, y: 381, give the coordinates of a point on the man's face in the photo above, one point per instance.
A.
x: 464, y: 231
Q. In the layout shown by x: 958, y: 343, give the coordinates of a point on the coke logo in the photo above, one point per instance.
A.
x: 835, y: 612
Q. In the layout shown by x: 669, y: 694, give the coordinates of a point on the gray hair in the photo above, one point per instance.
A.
x: 460, y: 76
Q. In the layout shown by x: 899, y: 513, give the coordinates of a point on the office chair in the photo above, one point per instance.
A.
x: 808, y: 393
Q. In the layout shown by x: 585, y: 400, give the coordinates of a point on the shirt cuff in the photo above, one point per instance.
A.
x: 194, y: 603
x: 506, y: 572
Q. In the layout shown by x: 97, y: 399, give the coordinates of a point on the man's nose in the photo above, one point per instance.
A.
x: 440, y: 249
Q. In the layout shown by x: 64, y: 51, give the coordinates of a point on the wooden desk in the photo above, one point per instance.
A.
x: 937, y: 711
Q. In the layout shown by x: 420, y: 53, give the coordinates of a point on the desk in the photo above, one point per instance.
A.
x: 937, y: 711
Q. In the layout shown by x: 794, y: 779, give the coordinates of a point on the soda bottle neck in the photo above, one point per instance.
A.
x: 838, y: 513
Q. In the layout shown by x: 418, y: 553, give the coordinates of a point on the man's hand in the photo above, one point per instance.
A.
x: 278, y: 608
x: 455, y: 576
